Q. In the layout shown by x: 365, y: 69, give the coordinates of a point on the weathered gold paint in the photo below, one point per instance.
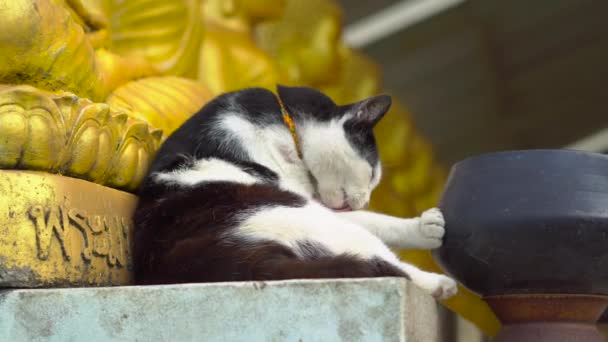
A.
x: 105, y: 77
x: 61, y: 231
x: 43, y: 46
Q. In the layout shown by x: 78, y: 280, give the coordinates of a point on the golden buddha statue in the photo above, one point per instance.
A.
x: 166, y: 38
x: 305, y: 41
x: 56, y: 72
x: 66, y: 46
x: 229, y: 57
x: 167, y: 34
x: 357, y: 77
x: 43, y: 46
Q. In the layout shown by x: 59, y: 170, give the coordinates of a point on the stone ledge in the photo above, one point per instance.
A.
x: 386, y: 309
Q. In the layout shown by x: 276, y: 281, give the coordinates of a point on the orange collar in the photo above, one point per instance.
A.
x: 288, y: 120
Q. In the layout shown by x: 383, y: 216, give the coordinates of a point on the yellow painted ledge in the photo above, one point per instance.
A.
x: 59, y: 231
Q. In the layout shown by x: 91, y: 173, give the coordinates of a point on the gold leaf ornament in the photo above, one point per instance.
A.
x: 62, y: 133
x: 230, y: 58
x: 305, y: 41
x: 168, y: 34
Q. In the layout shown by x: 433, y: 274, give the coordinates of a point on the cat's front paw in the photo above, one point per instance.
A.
x: 431, y: 228
x: 437, y: 285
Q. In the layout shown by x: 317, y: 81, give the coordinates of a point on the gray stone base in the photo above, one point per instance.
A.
x: 337, y: 310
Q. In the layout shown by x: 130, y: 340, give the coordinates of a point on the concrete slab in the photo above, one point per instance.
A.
x: 386, y: 309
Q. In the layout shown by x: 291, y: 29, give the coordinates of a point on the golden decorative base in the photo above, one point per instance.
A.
x: 61, y: 231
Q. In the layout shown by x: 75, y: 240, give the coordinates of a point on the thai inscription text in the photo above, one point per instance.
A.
x: 103, y: 236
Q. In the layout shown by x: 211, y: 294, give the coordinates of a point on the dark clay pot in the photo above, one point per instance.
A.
x: 526, y: 222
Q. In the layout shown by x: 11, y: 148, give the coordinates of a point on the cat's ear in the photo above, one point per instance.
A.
x: 371, y: 110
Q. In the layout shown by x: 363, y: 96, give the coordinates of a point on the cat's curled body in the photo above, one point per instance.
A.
x: 230, y: 198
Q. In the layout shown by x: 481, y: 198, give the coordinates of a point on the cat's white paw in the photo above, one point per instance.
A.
x: 431, y: 228
x: 437, y: 285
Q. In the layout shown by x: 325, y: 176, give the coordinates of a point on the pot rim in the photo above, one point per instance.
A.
x: 546, y: 151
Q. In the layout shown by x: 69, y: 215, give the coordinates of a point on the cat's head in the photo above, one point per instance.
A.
x: 338, y: 144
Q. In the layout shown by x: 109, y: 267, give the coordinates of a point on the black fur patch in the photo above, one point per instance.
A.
x: 195, y: 216
x: 305, y: 103
x: 361, y: 138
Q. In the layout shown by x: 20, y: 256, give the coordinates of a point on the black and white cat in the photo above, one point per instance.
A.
x: 243, y: 191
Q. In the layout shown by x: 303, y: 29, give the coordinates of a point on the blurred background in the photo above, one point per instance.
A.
x: 485, y: 75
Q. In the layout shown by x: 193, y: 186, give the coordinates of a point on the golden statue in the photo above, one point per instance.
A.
x: 89, y: 88
x: 167, y: 34
x: 305, y: 41
x: 61, y: 115
x: 43, y: 46
x: 357, y: 77
x: 164, y: 36
x: 230, y: 58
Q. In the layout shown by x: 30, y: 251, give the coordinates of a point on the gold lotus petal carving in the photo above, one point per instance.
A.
x: 62, y: 133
